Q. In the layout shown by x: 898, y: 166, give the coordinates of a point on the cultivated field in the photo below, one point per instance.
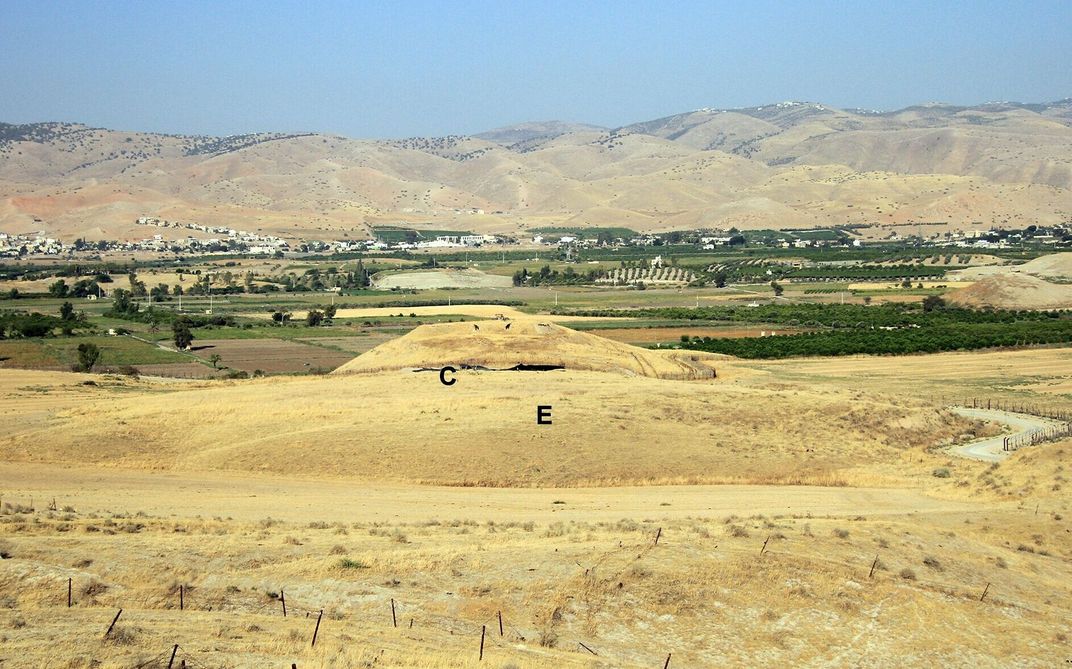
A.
x: 270, y: 355
x: 468, y: 278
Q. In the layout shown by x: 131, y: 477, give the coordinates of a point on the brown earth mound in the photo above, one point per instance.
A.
x: 1053, y: 266
x: 1014, y: 291
x: 523, y: 344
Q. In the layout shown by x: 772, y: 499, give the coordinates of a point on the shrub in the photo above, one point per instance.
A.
x: 941, y: 473
x: 347, y: 563
x: 933, y: 563
x: 907, y: 574
x: 841, y: 534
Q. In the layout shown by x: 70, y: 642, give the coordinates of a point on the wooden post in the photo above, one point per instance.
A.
x: 394, y: 619
x: 483, y: 629
x: 873, y: 565
x: 317, y: 628
x: 657, y: 535
x: 581, y: 644
x: 69, y: 584
x: 985, y: 590
x: 500, y: 624
x: 283, y: 598
x: 763, y: 550
x: 666, y: 665
x: 114, y: 621
x: 173, y: 652
x: 182, y: 598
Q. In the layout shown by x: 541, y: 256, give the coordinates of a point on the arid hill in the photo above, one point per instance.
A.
x: 524, y: 344
x: 606, y: 429
x: 785, y: 165
x: 1014, y: 291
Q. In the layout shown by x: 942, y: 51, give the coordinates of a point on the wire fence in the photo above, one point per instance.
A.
x: 1060, y: 428
x: 494, y: 631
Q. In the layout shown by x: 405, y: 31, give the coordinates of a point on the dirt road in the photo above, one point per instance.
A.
x: 990, y: 449
x: 254, y: 497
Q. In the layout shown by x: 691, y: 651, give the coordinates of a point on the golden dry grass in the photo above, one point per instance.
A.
x: 710, y: 593
x: 406, y: 426
x: 477, y: 310
x: 319, y: 486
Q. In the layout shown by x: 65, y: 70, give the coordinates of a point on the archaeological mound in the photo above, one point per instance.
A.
x: 524, y: 344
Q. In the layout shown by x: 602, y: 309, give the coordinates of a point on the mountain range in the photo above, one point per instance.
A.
x: 785, y: 165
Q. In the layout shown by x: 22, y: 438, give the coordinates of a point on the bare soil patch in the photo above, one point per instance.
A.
x: 270, y: 355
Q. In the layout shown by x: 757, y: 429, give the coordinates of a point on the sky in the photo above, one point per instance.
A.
x: 378, y: 69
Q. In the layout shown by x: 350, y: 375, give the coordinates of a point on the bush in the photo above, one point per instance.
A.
x: 347, y: 563
x: 907, y: 574
x: 88, y: 355
x: 941, y: 473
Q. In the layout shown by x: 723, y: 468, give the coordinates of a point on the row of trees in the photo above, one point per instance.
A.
x: 960, y: 337
x: 14, y: 324
x: 547, y: 276
x: 313, y: 318
x: 932, y: 310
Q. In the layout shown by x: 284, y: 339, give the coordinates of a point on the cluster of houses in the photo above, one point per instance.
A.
x: 231, y: 240
x: 440, y: 242
x: 15, y: 246
x: 251, y: 242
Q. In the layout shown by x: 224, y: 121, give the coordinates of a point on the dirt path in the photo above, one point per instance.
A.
x: 254, y: 497
x: 990, y: 449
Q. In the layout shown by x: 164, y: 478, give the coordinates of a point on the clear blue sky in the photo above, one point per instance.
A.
x: 394, y: 69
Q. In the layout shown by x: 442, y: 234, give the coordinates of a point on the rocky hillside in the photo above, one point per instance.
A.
x: 784, y: 165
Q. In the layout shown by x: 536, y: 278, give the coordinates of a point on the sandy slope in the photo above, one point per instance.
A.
x: 501, y: 344
x: 1014, y: 291
x: 403, y: 426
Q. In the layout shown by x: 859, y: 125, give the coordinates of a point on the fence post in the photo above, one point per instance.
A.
x: 500, y: 623
x: 658, y: 534
x: 483, y: 629
x: 666, y: 665
x: 764, y: 549
x: 985, y: 590
x: 317, y: 628
x: 173, y: 652
x: 283, y: 598
x: 182, y: 598
x: 114, y: 621
x: 394, y: 619
x: 69, y: 582
x: 873, y: 565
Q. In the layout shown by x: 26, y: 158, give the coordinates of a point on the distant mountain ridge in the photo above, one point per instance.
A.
x: 788, y: 164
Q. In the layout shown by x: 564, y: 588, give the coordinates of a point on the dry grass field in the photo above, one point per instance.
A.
x: 784, y: 580
x: 799, y: 512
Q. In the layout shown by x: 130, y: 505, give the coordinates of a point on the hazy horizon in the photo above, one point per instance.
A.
x: 423, y: 69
